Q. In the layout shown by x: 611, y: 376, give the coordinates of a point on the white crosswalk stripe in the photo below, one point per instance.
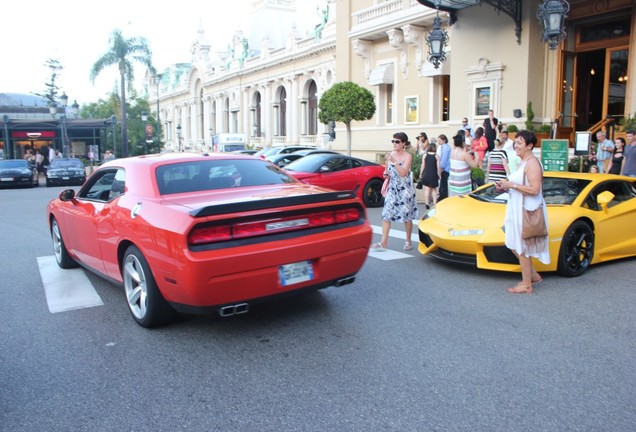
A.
x: 389, y: 254
x: 66, y: 290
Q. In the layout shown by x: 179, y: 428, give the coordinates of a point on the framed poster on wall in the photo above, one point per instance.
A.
x: 483, y: 99
x: 411, y: 105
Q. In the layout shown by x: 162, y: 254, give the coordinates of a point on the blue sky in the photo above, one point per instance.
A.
x: 77, y: 32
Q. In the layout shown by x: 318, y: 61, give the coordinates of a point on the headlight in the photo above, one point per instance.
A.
x: 429, y: 214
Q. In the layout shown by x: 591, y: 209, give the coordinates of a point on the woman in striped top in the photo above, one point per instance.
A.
x: 461, y: 161
x: 497, y: 168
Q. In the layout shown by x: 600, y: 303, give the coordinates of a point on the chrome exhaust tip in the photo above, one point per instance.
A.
x: 236, y: 309
x: 345, y: 281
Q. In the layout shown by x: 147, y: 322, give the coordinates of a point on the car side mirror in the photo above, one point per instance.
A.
x: 604, y: 198
x: 67, y: 195
x: 324, y: 169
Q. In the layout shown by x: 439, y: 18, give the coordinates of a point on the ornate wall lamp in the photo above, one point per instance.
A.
x: 552, y: 15
x: 437, y: 40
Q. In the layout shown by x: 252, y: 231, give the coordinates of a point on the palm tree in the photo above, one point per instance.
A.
x: 120, y: 53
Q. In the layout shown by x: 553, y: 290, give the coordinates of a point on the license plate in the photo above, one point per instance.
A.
x: 295, y: 272
x: 66, y: 178
x: 6, y: 179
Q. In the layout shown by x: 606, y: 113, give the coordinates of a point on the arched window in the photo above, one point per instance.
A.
x: 312, y: 111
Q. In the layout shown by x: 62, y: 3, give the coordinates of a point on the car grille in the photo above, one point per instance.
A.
x: 500, y: 254
x: 446, y: 255
x: 426, y: 239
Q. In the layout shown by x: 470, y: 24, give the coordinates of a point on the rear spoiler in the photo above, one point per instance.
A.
x: 213, y: 210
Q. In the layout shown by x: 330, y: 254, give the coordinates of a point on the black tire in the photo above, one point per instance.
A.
x: 145, y: 302
x: 48, y: 183
x: 577, y: 250
x: 64, y: 260
x: 372, y: 193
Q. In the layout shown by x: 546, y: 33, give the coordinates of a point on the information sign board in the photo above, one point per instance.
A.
x: 554, y: 154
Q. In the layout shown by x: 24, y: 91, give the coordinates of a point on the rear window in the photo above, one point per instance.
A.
x: 66, y: 163
x: 14, y: 163
x: 218, y: 174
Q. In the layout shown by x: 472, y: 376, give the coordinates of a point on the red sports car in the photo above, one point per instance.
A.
x: 199, y: 233
x: 343, y: 173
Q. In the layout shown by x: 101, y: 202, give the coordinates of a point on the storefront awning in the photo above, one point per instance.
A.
x: 382, y: 75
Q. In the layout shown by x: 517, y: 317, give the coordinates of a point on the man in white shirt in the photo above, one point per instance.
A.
x: 603, y: 152
x: 509, y: 147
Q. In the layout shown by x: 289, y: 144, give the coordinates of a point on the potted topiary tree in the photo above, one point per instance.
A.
x: 529, y: 117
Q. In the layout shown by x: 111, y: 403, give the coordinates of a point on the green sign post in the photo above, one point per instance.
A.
x: 554, y: 154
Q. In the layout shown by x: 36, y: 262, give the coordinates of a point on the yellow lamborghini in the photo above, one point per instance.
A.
x: 591, y: 219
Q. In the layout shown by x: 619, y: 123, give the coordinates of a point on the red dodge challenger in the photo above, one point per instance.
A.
x: 197, y: 233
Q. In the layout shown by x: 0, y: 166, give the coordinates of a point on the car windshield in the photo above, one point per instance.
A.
x: 17, y: 163
x: 309, y: 163
x: 66, y: 163
x: 234, y: 147
x: 218, y: 174
x: 556, y: 190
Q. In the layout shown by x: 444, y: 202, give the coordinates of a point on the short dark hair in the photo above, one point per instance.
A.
x: 459, y: 140
x: 528, y: 136
x: 401, y: 136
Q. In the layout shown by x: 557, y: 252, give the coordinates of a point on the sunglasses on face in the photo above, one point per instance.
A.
x: 396, y: 141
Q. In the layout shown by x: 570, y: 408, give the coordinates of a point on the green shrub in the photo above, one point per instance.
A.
x: 512, y: 128
x: 416, y: 165
x: 544, y: 128
x: 574, y: 164
x: 628, y: 123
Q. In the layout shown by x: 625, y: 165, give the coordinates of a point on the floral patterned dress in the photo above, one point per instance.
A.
x: 399, y: 204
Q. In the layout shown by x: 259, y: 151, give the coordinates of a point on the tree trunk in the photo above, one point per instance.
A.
x: 348, y: 124
x: 124, y: 125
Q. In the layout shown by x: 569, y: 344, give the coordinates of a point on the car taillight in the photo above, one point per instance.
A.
x: 209, y: 234
x: 260, y: 227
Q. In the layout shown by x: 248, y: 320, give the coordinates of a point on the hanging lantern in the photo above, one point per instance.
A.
x: 437, y: 40
x: 552, y: 15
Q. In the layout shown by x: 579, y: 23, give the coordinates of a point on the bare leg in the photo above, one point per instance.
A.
x: 386, y: 227
x: 527, y: 272
x: 408, y: 227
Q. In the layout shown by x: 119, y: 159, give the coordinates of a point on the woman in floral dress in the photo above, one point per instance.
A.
x: 399, y: 204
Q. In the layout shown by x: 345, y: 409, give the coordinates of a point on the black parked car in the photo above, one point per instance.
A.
x: 65, y: 171
x: 18, y: 172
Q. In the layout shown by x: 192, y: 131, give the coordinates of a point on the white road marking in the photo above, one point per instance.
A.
x: 66, y: 290
x: 389, y: 254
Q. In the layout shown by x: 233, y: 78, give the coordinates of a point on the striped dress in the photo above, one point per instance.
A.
x: 459, y: 182
x: 497, y: 170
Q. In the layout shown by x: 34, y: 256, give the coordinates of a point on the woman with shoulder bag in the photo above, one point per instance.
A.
x: 526, y: 216
x: 399, y: 203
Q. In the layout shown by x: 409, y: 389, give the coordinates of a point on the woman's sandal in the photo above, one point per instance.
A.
x: 521, y: 289
x: 377, y: 247
x: 536, y: 279
x: 408, y: 246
